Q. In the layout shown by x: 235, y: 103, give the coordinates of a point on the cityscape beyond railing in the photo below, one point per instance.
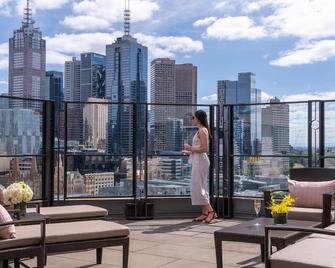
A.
x: 252, y: 148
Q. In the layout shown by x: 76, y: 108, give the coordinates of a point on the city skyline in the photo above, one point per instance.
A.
x: 196, y: 37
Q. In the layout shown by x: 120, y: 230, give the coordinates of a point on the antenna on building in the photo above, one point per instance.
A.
x: 27, y: 15
x: 127, y: 18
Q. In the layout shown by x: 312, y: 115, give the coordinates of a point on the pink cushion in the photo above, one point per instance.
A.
x: 309, y: 194
x: 8, y: 231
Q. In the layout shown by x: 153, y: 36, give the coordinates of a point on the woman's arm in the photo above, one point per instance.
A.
x: 203, y: 148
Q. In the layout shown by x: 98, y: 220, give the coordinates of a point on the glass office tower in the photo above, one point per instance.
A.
x: 126, y: 82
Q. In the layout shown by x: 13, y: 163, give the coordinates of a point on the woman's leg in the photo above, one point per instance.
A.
x: 203, y: 215
x: 211, y: 214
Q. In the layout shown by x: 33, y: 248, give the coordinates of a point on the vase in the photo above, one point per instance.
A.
x: 22, y: 207
x: 280, y: 218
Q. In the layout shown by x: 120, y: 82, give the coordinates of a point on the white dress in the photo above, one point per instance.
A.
x: 200, y: 169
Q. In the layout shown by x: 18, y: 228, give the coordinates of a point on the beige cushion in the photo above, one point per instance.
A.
x: 308, y: 214
x: 309, y: 194
x: 311, y: 252
x: 66, y: 232
x: 71, y: 212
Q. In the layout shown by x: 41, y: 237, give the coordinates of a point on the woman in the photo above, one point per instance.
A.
x: 200, y: 167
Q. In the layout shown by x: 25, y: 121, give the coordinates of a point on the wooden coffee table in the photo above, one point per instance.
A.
x: 248, y: 232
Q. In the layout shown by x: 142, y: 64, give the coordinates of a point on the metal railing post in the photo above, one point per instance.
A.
x: 48, y: 152
x: 310, y: 138
x: 134, y: 143
x: 322, y: 134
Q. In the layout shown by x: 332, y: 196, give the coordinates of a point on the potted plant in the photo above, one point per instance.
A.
x: 18, y: 194
x: 279, y: 209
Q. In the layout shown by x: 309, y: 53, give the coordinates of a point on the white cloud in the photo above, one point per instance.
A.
x: 85, y: 23
x: 308, y: 19
x: 40, y: 5
x: 63, y: 46
x: 168, y: 46
x: 329, y: 95
x: 204, y: 22
x: 265, y: 97
x: 212, y: 99
x: 306, y: 54
x: 103, y: 13
x: 3, y: 82
x: 233, y: 28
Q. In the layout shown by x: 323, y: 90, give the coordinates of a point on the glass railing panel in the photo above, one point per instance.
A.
x: 28, y: 169
x: 169, y: 176
x: 253, y: 175
x: 99, y: 176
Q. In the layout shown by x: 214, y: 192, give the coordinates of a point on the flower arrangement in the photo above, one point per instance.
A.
x: 282, y: 207
x: 16, y: 193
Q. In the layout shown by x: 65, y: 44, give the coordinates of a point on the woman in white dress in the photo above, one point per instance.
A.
x: 200, y: 167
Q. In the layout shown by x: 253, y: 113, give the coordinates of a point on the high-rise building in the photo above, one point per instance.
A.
x: 275, y: 124
x: 275, y: 137
x: 163, y: 89
x: 72, y: 93
x: 27, y: 62
x: 95, y: 119
x: 20, y: 131
x: 126, y: 81
x: 54, y: 89
x: 186, y: 91
x: 244, y: 91
x: 92, y: 76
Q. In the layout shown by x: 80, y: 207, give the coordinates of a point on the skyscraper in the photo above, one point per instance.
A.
x: 244, y: 91
x: 72, y: 93
x: 163, y: 89
x: 126, y: 81
x: 27, y: 62
x: 186, y: 91
x: 54, y: 89
x: 275, y: 124
x: 95, y: 118
x: 92, y: 76
x: 20, y: 131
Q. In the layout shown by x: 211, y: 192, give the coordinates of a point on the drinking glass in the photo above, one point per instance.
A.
x: 257, y: 207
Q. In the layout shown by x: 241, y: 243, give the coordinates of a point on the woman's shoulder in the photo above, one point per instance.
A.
x: 203, y: 130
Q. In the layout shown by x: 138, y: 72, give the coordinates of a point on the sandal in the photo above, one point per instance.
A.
x: 210, y: 217
x: 201, y: 218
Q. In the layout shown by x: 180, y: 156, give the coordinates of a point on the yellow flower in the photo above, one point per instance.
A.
x: 283, y: 207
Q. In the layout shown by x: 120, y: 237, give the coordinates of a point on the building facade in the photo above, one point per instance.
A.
x: 27, y: 60
x: 95, y: 119
x: 92, y: 76
x: 244, y: 91
x: 20, y: 131
x: 126, y: 82
x: 72, y: 93
x: 186, y: 91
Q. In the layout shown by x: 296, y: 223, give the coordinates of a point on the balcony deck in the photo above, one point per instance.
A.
x: 176, y: 243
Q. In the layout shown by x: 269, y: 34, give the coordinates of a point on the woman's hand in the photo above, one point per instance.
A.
x: 186, y: 152
x: 187, y: 147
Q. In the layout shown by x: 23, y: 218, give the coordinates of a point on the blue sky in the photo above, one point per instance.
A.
x: 290, y: 45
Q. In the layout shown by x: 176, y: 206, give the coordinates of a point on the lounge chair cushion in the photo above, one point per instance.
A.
x: 310, y: 194
x: 71, y: 212
x: 311, y: 252
x: 65, y: 232
x: 308, y: 214
x: 9, y: 230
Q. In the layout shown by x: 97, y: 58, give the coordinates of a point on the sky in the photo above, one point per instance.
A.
x: 288, y: 44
